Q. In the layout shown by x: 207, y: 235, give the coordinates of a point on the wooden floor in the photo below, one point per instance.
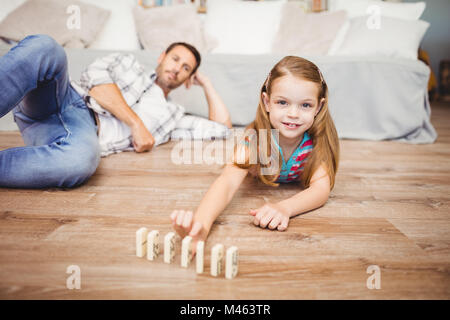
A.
x: 390, y: 208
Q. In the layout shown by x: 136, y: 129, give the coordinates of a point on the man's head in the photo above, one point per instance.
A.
x: 176, y: 65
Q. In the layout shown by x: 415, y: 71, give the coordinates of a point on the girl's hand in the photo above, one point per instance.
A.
x: 271, y: 215
x: 184, y: 224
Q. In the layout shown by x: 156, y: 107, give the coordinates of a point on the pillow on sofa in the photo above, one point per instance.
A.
x: 397, y: 38
x: 243, y: 27
x: 158, y: 27
x: 119, y: 32
x: 51, y: 17
x: 306, y: 33
x: 407, y: 11
x: 356, y: 8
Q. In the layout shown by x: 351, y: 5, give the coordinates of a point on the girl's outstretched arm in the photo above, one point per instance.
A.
x: 277, y: 215
x: 198, y: 224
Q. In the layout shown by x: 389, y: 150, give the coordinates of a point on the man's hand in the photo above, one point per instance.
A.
x: 271, y: 215
x: 110, y: 97
x: 198, y: 79
x: 142, y: 138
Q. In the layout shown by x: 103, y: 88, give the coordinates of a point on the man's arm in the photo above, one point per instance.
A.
x: 111, y: 99
x: 217, y: 109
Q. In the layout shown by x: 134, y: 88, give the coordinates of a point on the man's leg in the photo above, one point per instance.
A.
x: 62, y: 146
x: 35, y: 73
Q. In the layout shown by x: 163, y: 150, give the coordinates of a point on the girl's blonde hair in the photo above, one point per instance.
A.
x: 322, y: 132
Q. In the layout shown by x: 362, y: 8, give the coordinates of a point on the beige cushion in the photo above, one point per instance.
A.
x: 158, y: 27
x: 306, y: 33
x: 50, y: 17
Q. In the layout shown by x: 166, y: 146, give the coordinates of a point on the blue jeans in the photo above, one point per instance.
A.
x: 59, y: 130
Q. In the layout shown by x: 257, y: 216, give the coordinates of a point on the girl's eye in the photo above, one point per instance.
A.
x: 282, y: 102
x: 306, y: 105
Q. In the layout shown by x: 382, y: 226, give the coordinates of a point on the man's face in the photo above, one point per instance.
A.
x: 175, y: 67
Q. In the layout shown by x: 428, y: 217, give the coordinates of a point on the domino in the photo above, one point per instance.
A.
x: 141, y: 242
x: 216, y: 259
x: 186, y: 252
x: 153, y: 245
x: 169, y: 247
x: 147, y: 243
x: 199, y: 256
x: 231, y: 265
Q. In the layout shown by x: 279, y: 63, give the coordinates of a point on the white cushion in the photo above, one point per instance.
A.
x: 396, y: 38
x: 243, y: 27
x: 119, y: 32
x: 358, y: 8
x: 355, y: 8
x: 306, y: 33
x: 408, y: 11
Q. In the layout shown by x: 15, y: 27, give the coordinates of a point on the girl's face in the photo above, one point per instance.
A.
x: 292, y: 105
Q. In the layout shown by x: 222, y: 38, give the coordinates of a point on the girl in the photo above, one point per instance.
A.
x: 294, y: 102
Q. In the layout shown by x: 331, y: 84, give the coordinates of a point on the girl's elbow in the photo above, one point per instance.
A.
x: 324, y: 194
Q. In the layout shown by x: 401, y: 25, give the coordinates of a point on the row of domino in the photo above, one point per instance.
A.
x: 148, y: 243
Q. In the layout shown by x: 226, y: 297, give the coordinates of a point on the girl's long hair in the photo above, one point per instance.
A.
x: 322, y: 132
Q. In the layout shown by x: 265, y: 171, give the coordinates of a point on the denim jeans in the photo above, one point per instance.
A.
x: 59, y: 130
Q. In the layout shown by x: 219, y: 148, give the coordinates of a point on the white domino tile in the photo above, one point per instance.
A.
x: 186, y: 251
x: 153, y: 245
x: 217, y: 259
x: 231, y: 263
x: 199, y: 256
x: 141, y: 242
x: 169, y: 247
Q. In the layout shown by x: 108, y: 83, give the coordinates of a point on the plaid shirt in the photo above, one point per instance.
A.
x: 164, y: 119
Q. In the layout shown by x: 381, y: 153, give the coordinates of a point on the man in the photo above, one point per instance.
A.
x: 116, y: 107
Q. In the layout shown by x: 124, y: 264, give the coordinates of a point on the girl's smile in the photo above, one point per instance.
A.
x: 291, y: 125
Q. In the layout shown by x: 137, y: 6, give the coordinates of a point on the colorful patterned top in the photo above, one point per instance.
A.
x: 292, y: 169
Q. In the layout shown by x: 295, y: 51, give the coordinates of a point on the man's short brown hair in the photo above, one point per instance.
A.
x: 191, y: 48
